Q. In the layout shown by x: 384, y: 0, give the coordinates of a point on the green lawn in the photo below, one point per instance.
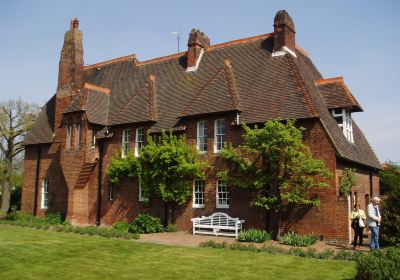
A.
x: 37, y: 254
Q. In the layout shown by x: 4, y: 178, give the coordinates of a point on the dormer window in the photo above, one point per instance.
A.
x: 343, y: 118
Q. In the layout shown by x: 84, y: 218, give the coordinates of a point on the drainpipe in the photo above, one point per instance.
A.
x: 39, y: 154
x: 348, y: 219
x: 99, y: 179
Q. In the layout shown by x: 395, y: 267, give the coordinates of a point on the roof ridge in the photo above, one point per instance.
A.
x: 96, y: 88
x: 160, y: 59
x: 239, y: 41
x: 111, y: 61
x: 175, y: 55
x: 301, y: 84
x: 324, y: 81
x: 231, y: 81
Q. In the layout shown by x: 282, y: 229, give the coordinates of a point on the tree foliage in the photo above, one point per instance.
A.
x: 274, y: 161
x: 390, y: 178
x: 347, y: 181
x: 16, y: 118
x: 166, y: 166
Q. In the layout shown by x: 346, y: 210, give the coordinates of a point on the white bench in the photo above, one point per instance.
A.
x: 217, y: 224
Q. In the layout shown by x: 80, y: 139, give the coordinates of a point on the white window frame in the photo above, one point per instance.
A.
x: 45, y: 194
x: 347, y: 125
x: 199, y: 195
x: 217, y: 134
x: 79, y: 132
x: 139, y: 140
x: 141, y: 197
x: 126, y: 142
x: 93, y: 138
x: 70, y: 134
x: 111, y: 192
x: 202, y: 132
x: 222, y: 192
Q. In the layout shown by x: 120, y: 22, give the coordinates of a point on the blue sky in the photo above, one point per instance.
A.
x: 359, y: 40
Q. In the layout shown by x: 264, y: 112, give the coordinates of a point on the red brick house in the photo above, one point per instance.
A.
x: 206, y: 92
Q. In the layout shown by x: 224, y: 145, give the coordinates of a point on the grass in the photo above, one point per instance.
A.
x: 36, y: 254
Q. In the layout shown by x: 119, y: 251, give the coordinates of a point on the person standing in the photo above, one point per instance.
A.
x: 374, y: 220
x: 358, y: 224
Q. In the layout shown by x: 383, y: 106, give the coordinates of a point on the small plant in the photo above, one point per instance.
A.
x: 343, y: 255
x: 379, y: 265
x: 122, y: 226
x: 3, y: 214
x: 326, y: 254
x: 53, y: 219
x: 213, y: 244
x: 254, y: 236
x: 146, y: 224
x: 172, y: 228
x: 347, y: 181
x: 242, y: 247
x: 294, y: 239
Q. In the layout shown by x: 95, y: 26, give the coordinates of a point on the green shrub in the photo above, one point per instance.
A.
x: 242, y: 247
x: 122, y: 226
x: 254, y: 235
x: 53, y: 219
x: 273, y: 250
x: 172, y: 228
x: 3, y: 214
x: 294, y: 239
x: 146, y: 224
x: 343, y: 255
x: 379, y: 265
x: 326, y: 254
x: 213, y: 244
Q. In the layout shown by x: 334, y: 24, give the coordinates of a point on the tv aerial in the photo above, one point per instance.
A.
x: 178, y: 36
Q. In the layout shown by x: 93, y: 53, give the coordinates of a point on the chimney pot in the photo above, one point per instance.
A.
x: 75, y: 23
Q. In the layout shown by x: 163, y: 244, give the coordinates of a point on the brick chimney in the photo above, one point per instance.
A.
x: 284, y: 32
x: 198, y: 41
x: 71, y: 61
x: 70, y: 75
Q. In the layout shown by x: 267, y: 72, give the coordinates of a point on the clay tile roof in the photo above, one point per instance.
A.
x: 238, y: 76
x: 42, y: 130
x: 337, y: 94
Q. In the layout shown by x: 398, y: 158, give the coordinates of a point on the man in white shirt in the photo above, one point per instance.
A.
x: 374, y: 220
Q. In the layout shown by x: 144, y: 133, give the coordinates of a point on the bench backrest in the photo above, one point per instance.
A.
x: 218, y: 219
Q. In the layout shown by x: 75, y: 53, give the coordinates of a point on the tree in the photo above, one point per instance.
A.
x: 390, y: 179
x: 274, y: 161
x: 166, y: 167
x: 16, y: 118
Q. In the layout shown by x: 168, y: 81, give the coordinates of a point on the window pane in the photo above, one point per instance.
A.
x: 219, y: 134
x: 198, y: 193
x: 139, y: 140
x: 222, y: 194
x: 79, y: 134
x: 202, y: 136
x: 45, y: 192
x: 126, y: 138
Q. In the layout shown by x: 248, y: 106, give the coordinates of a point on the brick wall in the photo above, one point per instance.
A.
x: 62, y: 166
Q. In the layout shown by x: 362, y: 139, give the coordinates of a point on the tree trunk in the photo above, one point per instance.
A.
x: 274, y: 223
x: 5, y: 199
x: 165, y: 222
